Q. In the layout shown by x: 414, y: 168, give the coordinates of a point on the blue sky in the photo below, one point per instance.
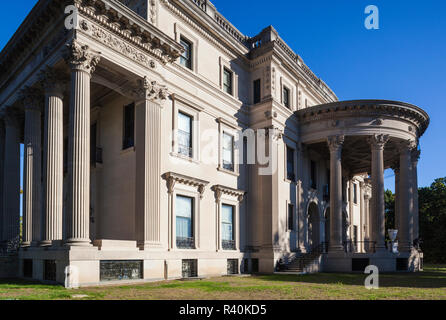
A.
x: 404, y: 60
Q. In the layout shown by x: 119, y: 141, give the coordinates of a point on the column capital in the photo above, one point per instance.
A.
x: 32, y: 98
x: 378, y: 141
x: 335, y: 143
x: 416, y: 155
x: 11, y: 117
x: 150, y: 90
x: 53, y: 81
x: 395, y: 167
x: 80, y: 57
x: 407, y: 146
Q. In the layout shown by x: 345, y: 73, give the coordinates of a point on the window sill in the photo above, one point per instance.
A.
x: 128, y: 150
x: 289, y: 181
x: 233, y: 173
x: 185, y: 158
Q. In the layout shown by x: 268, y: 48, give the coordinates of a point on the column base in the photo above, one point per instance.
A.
x: 78, y: 243
x: 336, y: 248
x: 25, y: 244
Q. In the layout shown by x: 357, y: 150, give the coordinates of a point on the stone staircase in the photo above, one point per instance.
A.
x: 305, y: 263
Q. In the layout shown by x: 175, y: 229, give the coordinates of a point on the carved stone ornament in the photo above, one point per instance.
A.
x: 53, y: 80
x: 220, y: 190
x: 408, y: 146
x: 335, y: 143
x: 378, y: 140
x: 81, y: 57
x: 150, y: 90
x: 173, y: 178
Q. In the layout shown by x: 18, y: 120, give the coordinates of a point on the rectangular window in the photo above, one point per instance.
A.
x: 313, y: 177
x: 286, y: 97
x: 228, y: 152
x: 118, y: 270
x: 189, y: 268
x: 186, y: 57
x: 227, y: 227
x: 355, y: 193
x: 185, y: 135
x: 290, y: 164
x: 232, y: 266
x: 129, y: 127
x: 257, y: 91
x: 228, y: 81
x: 185, y: 222
x: 290, y: 217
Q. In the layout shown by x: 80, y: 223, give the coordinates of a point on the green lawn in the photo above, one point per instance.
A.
x: 430, y: 284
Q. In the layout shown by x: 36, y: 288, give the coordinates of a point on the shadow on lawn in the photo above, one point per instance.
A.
x: 427, y: 279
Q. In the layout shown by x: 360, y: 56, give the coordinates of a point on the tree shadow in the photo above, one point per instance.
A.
x: 426, y: 279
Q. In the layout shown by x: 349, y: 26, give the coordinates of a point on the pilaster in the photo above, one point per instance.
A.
x: 151, y: 96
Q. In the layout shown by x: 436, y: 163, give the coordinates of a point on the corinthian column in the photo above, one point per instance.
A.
x: 52, y: 156
x: 377, y: 143
x: 335, y: 145
x: 11, y: 176
x: 82, y: 62
x: 415, y: 158
x: 32, y: 100
x: 148, y: 162
x: 406, y: 196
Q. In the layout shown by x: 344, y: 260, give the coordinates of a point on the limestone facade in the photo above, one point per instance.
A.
x: 157, y: 133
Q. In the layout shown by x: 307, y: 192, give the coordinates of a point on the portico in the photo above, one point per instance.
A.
x: 365, y: 137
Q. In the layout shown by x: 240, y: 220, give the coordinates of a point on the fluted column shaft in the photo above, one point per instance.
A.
x: 148, y: 163
x: 32, y: 174
x: 335, y: 146
x: 11, y: 182
x: 415, y: 157
x: 397, y: 195
x: 82, y: 61
x: 78, y: 206
x: 378, y: 229
x: 406, y: 197
x: 53, y: 165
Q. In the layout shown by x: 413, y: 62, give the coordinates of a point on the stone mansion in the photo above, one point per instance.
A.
x: 143, y: 122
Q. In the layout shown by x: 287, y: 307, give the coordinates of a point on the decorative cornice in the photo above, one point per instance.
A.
x: 360, y: 108
x: 129, y: 26
x: 172, y: 178
x: 80, y: 57
x: 219, y: 190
